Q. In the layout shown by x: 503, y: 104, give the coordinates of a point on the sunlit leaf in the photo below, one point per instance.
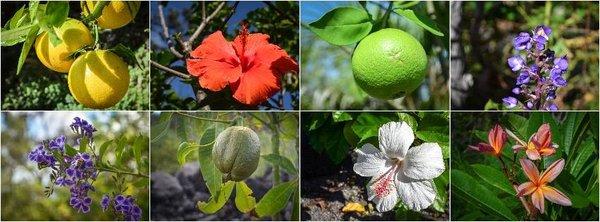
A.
x: 276, y: 198
x: 210, y: 173
x: 283, y: 162
x: 342, y: 26
x: 420, y: 19
x: 471, y: 191
x: 339, y: 116
x: 216, y: 202
x: 185, y: 149
x: 244, y: 201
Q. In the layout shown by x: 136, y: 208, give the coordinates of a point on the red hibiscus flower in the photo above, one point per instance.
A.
x: 250, y: 65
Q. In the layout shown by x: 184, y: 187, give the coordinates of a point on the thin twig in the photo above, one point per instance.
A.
x: 205, y: 22
x: 165, y: 33
x: 205, y: 119
x: 233, y: 8
x: 169, y: 70
x: 122, y: 172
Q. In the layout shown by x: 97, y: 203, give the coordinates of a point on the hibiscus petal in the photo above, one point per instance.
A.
x: 213, y: 75
x: 530, y: 170
x: 424, y: 162
x: 256, y: 85
x: 371, y: 162
x: 253, y: 42
x: 215, y: 47
x: 276, y: 57
x: 532, y: 154
x: 383, y: 203
x: 552, y: 171
x: 555, y: 196
x: 395, y: 138
x: 415, y: 194
x: 537, y: 198
x: 525, y: 189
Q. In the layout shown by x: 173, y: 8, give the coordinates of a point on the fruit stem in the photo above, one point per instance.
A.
x: 97, y: 11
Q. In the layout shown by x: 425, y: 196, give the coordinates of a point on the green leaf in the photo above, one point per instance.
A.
x: 421, y: 20
x: 408, y: 119
x: 342, y: 26
x: 339, y: 116
x: 585, y: 151
x: 441, y: 183
x: 570, y: 127
x: 216, y: 202
x: 184, y: 149
x: 126, y: 53
x: 104, y: 148
x: 56, y: 13
x: 494, y: 177
x: 367, y: 125
x: 69, y: 150
x: 33, y: 9
x: 518, y: 123
x: 140, y: 143
x: 431, y: 136
x: 276, y: 198
x: 405, y: 4
x: 14, y: 36
x: 26, y: 47
x: 296, y: 206
x: 182, y: 129
x: 83, y: 144
x: 244, y: 201
x: 20, y: 17
x: 471, y: 191
x: 212, y: 176
x: 159, y: 128
x: 281, y: 161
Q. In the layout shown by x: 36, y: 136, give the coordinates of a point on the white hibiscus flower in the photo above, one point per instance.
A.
x: 399, y: 172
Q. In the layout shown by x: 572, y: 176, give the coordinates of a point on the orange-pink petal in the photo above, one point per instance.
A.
x: 547, y: 151
x: 555, y: 196
x: 213, y: 75
x: 543, y: 136
x: 497, y: 138
x: 215, y: 47
x: 256, y: 85
x: 525, y: 189
x: 530, y: 170
x: 552, y: 171
x: 537, y: 198
x: 532, y: 154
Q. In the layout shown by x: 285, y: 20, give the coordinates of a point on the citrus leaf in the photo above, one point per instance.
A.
x: 276, y: 198
x: 283, y: 162
x: 56, y: 13
x: 421, y: 20
x: 470, y: 190
x: 126, y: 53
x: 159, y: 128
x: 244, y: 201
x: 339, y: 116
x: 14, y: 36
x: 216, y: 202
x: 342, y: 26
x: 26, y: 47
x: 494, y: 177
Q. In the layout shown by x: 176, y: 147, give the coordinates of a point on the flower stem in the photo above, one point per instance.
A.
x: 122, y: 172
x: 531, y: 211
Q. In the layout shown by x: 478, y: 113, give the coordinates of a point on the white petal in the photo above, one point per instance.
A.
x: 371, y: 162
x: 424, y: 162
x: 385, y: 203
x: 395, y: 138
x: 415, y: 194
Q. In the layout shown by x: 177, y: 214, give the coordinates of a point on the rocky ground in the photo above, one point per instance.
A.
x: 174, y: 197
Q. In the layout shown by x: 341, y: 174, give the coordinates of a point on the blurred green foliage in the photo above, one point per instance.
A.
x: 486, y: 32
x: 576, y: 135
x: 23, y: 183
x: 327, y: 80
x: 39, y: 88
x: 277, y: 19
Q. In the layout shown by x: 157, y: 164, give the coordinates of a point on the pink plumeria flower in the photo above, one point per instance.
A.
x: 496, y: 140
x: 540, y: 144
x: 538, y: 187
x: 399, y: 172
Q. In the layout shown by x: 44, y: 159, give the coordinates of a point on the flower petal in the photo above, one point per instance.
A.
x: 537, y: 198
x: 256, y: 85
x: 530, y: 170
x: 277, y: 58
x: 497, y: 138
x: 482, y: 148
x: 532, y: 154
x: 395, y: 138
x: 213, y: 75
x: 547, y: 151
x: 543, y: 136
x: 215, y: 47
x: 383, y: 203
x: 253, y: 42
x: 371, y: 162
x: 424, y: 162
x: 552, y: 171
x: 415, y: 194
x: 525, y: 189
x: 555, y: 196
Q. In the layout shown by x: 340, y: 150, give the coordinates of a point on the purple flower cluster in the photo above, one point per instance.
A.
x: 83, y: 128
x: 43, y: 157
x: 124, y: 205
x: 540, y: 72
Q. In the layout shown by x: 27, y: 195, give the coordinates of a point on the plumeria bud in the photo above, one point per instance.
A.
x: 496, y: 140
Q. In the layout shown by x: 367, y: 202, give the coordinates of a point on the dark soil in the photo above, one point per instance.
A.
x: 327, y: 188
x: 174, y: 197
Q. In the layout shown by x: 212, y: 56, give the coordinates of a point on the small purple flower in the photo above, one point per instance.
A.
x: 42, y: 157
x: 522, y: 41
x: 552, y: 107
x: 559, y: 81
x: 541, y: 36
x: 529, y: 105
x: 83, y: 128
x: 128, y: 208
x: 551, y: 95
x: 510, y: 102
x: 516, y: 63
x: 523, y: 78
x: 516, y: 90
x: 561, y: 63
x: 105, y: 202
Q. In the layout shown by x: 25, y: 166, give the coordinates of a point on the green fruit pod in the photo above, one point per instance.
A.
x: 236, y: 152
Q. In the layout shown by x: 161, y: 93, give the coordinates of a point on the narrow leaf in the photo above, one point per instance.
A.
x: 26, y: 47
x: 471, y: 191
x: 339, y: 116
x: 281, y: 161
x: 494, y: 177
x: 244, y: 201
x: 276, y: 198
x: 421, y: 20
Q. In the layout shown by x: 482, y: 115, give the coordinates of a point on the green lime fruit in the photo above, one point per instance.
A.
x: 389, y: 63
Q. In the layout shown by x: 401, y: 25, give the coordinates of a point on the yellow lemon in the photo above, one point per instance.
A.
x: 114, y: 15
x: 389, y: 63
x: 74, y: 35
x: 98, y: 79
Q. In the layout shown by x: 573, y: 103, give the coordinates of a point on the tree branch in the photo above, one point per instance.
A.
x: 169, y: 70
x: 165, y: 33
x: 187, y: 46
x: 205, y: 119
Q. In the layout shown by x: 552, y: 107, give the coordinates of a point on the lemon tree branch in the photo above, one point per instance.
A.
x: 169, y: 70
